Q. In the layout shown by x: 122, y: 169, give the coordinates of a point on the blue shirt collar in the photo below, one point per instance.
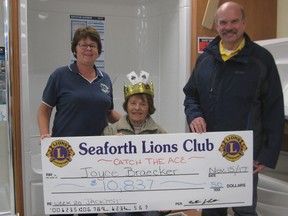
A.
x: 73, y: 68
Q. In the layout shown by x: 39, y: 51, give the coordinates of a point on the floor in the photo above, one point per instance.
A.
x: 186, y: 213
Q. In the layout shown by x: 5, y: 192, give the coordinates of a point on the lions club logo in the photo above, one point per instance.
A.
x: 60, y: 153
x: 233, y: 147
x: 104, y: 88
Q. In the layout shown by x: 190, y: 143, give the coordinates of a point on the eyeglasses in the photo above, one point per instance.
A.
x: 85, y: 46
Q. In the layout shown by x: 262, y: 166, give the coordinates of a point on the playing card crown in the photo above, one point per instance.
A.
x: 138, y: 84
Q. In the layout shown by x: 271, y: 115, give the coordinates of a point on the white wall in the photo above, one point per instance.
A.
x: 139, y: 35
x: 146, y: 41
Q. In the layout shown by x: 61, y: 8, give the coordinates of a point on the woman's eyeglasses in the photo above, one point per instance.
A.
x: 85, y: 46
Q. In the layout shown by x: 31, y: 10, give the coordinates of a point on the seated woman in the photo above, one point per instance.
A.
x: 139, y: 106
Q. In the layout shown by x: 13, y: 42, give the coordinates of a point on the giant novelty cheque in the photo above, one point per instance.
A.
x: 147, y: 172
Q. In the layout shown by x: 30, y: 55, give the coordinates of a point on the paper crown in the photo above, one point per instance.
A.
x: 138, y: 84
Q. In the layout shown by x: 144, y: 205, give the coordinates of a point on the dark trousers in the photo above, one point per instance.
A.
x: 73, y: 214
x: 238, y: 211
x: 150, y: 213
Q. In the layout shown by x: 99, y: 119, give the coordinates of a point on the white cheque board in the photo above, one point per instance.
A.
x: 147, y: 172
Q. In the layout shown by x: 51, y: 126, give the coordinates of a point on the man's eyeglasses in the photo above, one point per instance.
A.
x: 85, y: 46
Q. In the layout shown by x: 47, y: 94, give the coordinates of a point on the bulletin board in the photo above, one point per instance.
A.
x: 79, y: 21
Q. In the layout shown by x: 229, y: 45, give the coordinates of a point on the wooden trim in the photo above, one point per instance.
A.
x: 198, y: 12
x: 14, y: 56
